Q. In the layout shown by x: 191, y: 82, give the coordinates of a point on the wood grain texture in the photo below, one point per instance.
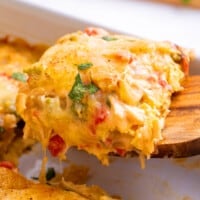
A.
x: 182, y: 128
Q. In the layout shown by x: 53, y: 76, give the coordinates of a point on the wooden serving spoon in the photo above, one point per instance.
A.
x: 182, y: 129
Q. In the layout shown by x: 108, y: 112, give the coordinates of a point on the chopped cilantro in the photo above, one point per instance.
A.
x: 91, y: 88
x: 19, y: 76
x: 79, y: 89
x: 50, y: 173
x: 84, y: 66
x: 109, y: 38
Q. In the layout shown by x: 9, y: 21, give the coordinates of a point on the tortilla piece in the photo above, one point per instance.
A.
x: 14, y: 186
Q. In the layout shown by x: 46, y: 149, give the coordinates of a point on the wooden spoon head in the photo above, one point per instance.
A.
x: 182, y: 129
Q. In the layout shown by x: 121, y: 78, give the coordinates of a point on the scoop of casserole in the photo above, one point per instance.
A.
x: 101, y: 93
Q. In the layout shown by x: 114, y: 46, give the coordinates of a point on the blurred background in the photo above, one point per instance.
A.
x: 175, y: 20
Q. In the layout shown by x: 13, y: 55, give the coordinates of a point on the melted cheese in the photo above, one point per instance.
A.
x: 135, y: 80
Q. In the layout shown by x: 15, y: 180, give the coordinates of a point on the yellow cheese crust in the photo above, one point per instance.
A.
x: 14, y: 186
x: 102, y: 93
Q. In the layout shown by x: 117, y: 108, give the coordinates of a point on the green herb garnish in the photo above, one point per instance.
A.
x: 109, y: 38
x: 50, y: 173
x: 84, y: 66
x: 19, y: 76
x: 91, y: 88
x: 79, y: 89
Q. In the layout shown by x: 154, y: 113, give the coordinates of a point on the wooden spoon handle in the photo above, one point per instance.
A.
x: 182, y: 128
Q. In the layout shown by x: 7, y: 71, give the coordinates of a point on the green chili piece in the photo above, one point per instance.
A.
x: 79, y: 89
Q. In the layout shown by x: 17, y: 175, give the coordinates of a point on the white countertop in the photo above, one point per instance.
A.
x: 144, y: 19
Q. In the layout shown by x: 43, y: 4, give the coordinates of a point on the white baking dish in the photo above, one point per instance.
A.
x: 162, y: 179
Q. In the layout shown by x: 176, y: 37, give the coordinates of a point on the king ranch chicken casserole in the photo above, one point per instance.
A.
x: 15, y: 55
x: 102, y: 93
